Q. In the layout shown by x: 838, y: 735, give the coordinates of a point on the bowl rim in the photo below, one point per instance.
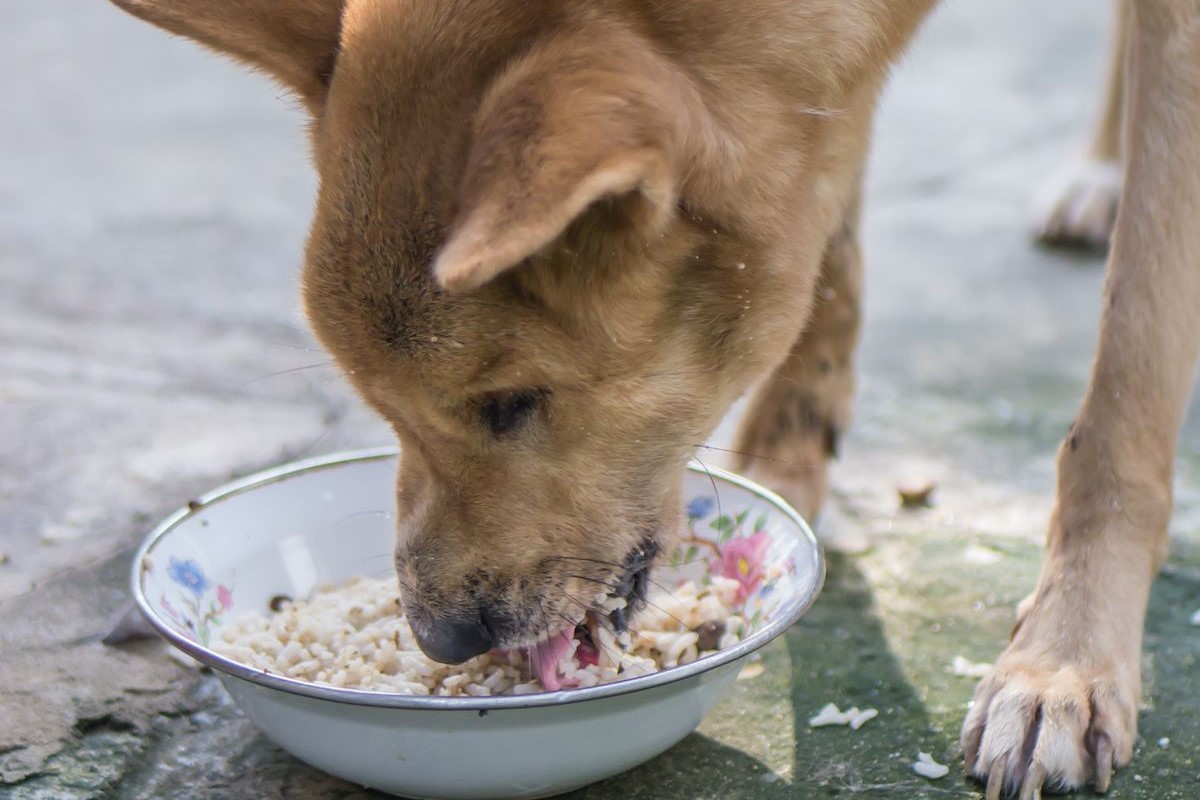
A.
x: 791, y: 611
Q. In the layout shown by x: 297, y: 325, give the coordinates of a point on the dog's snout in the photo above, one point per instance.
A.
x: 453, y: 640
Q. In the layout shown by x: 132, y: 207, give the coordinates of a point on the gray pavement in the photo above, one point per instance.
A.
x: 153, y: 204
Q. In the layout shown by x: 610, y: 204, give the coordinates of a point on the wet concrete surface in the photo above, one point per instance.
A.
x: 153, y: 205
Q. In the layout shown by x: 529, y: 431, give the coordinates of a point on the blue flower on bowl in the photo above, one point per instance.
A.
x: 188, y: 575
x: 700, y: 507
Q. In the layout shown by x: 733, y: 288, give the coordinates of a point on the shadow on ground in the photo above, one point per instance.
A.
x: 919, y: 597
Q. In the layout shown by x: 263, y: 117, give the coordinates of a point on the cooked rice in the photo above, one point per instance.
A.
x: 355, y: 636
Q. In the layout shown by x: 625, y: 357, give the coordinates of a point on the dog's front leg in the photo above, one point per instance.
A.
x: 1060, y: 707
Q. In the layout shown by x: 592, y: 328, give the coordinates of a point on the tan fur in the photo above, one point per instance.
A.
x: 1076, y: 651
x: 797, y: 417
x: 615, y: 216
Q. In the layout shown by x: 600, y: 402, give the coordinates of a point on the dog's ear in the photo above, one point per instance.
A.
x: 551, y: 140
x: 296, y: 41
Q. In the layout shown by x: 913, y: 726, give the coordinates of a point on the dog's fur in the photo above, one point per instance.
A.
x: 554, y: 240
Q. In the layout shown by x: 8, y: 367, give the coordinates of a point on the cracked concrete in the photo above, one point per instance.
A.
x: 153, y: 205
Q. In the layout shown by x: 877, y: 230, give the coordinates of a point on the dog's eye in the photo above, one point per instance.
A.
x: 505, y: 413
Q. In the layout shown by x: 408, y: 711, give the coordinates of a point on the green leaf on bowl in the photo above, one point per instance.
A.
x: 725, y: 526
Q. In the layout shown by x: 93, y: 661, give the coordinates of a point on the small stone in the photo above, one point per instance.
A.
x: 916, y: 493
x: 1196, y: 617
x: 771, y: 777
x: 1164, y: 741
x: 926, y: 767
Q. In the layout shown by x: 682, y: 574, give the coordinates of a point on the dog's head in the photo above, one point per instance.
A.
x: 519, y: 260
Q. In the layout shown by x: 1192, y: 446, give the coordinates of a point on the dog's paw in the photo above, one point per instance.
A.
x: 1083, y: 206
x: 1039, y: 725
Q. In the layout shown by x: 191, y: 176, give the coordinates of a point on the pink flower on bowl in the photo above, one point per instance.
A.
x: 224, y: 597
x: 742, y: 559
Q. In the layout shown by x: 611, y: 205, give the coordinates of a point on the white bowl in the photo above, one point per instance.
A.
x: 285, y: 531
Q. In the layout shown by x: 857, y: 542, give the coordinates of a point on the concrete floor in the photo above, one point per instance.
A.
x: 153, y: 204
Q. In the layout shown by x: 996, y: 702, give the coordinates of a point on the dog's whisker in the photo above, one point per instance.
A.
x: 356, y: 514
x: 304, y: 348
x: 370, y: 559
x: 595, y: 580
x: 321, y: 365
x: 585, y: 606
x: 600, y: 561
x: 745, y: 453
x: 713, y: 481
x: 666, y: 588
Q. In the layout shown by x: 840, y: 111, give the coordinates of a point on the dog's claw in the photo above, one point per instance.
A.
x: 1031, y: 787
x: 1104, y: 762
x: 972, y: 734
x: 995, y: 781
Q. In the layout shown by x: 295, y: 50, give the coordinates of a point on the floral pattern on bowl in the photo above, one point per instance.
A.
x: 199, y: 604
x: 725, y: 542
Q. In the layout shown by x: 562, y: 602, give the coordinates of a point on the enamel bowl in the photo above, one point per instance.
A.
x: 285, y: 531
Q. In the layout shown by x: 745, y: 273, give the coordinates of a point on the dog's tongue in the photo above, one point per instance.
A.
x: 546, y: 657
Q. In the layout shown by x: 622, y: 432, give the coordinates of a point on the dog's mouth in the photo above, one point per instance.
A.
x: 612, y: 610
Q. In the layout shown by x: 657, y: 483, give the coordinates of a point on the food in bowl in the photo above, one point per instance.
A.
x: 355, y: 636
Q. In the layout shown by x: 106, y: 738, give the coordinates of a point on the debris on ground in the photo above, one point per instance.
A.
x: 916, y: 493
x: 854, y: 717
x: 926, y: 767
x: 1196, y: 617
x: 969, y: 669
x: 751, y: 670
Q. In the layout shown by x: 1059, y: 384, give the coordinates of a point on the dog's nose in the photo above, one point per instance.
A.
x: 453, y: 641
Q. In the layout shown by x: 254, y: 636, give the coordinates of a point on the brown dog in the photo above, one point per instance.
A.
x: 554, y: 240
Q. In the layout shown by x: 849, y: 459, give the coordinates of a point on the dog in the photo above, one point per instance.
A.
x: 553, y: 242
